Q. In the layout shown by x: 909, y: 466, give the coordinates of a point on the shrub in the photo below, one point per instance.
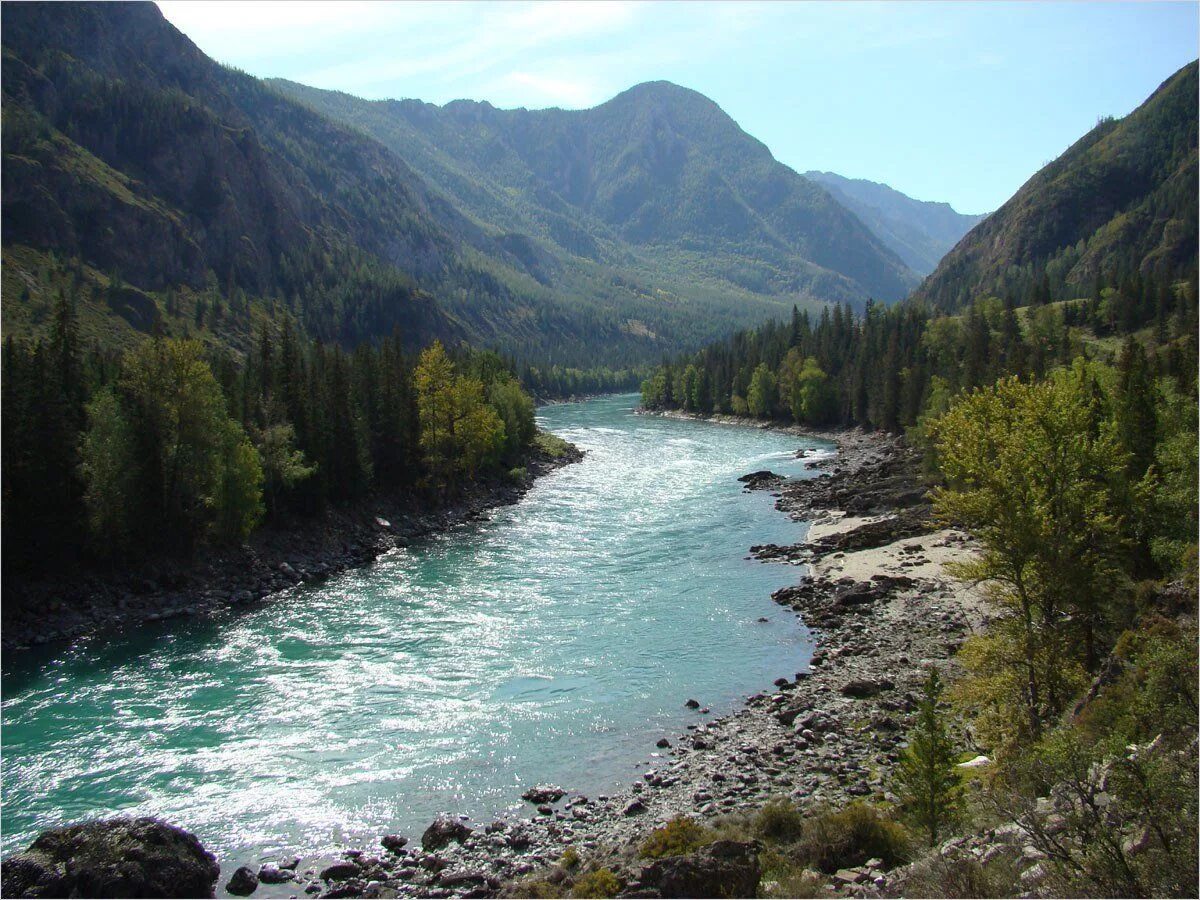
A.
x: 779, y: 822
x: 678, y: 837
x: 851, y: 836
x: 939, y: 876
x: 601, y: 883
x: 539, y: 890
x: 782, y: 877
x: 570, y: 858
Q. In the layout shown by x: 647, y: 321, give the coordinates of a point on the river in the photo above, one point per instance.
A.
x: 553, y: 643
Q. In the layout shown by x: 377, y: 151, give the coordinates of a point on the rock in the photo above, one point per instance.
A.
x: 975, y: 763
x: 270, y: 873
x: 142, y: 857
x: 461, y: 879
x: 442, y: 831
x: 692, y: 704
x: 722, y: 869
x: 393, y: 842
x: 518, y: 840
x: 850, y: 876
x: 861, y: 688
x: 543, y: 793
x: 663, y: 743
x: 340, y: 871
x: 757, y: 481
x: 243, y: 882
x: 1139, y: 842
x: 635, y: 807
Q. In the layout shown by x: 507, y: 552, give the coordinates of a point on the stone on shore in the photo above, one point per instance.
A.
x: 142, y: 857
x: 243, y: 882
x: 722, y: 869
x: 443, y: 831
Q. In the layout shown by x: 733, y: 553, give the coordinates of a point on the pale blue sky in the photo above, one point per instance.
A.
x: 944, y: 101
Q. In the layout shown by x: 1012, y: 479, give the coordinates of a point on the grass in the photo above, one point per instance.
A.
x: 551, y: 444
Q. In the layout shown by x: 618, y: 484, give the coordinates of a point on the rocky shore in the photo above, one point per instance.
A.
x: 275, y: 558
x: 870, y: 584
x: 882, y: 608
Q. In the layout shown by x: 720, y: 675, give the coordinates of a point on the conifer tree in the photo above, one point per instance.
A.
x: 926, y: 779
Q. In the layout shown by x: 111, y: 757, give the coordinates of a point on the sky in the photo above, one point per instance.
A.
x: 952, y: 101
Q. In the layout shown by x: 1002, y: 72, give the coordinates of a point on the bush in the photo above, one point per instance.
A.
x: 601, y: 883
x: 539, y: 890
x: 779, y: 822
x: 939, y: 876
x: 570, y: 858
x: 678, y: 837
x: 851, y: 836
x: 782, y: 877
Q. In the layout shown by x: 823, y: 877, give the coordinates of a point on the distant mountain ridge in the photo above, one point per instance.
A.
x: 920, y: 232
x: 658, y: 166
x: 1121, y: 200
x: 167, y: 184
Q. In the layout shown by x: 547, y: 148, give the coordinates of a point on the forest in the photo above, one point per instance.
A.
x: 173, y: 444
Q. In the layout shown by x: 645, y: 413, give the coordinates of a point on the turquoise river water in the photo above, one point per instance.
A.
x: 554, y: 643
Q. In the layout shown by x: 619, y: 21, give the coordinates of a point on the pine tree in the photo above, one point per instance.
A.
x: 927, y: 782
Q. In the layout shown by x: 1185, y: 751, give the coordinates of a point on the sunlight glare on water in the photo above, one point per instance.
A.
x: 553, y: 643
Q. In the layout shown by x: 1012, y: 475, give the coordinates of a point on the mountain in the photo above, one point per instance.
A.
x: 658, y: 179
x: 173, y: 194
x: 1122, y: 199
x: 920, y: 232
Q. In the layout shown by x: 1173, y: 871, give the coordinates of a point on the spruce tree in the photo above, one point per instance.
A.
x: 927, y: 781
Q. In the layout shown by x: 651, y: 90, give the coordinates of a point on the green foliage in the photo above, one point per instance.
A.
x: 459, y: 431
x: 962, y: 876
x: 162, y: 459
x: 515, y: 409
x: 779, y: 822
x: 570, y: 858
x: 849, y: 837
x: 600, y: 883
x: 762, y: 396
x: 678, y: 837
x: 927, y: 781
x: 108, y: 447
x: 1030, y: 469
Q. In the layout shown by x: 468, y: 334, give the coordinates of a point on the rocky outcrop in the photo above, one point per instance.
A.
x: 762, y: 480
x: 722, y: 869
x: 112, y: 858
x: 444, y: 830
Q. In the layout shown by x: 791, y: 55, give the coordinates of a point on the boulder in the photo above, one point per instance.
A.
x: 270, y: 873
x: 543, y: 793
x: 243, y: 882
x: 340, y: 871
x: 142, y: 857
x: 722, y: 869
x: 393, y: 842
x: 862, y: 688
x: 442, y: 831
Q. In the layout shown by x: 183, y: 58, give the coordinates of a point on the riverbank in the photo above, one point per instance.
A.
x: 274, y: 558
x: 883, y: 610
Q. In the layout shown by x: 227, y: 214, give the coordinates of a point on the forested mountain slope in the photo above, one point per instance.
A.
x: 658, y: 179
x: 1121, y: 200
x: 166, y: 192
x: 920, y: 232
